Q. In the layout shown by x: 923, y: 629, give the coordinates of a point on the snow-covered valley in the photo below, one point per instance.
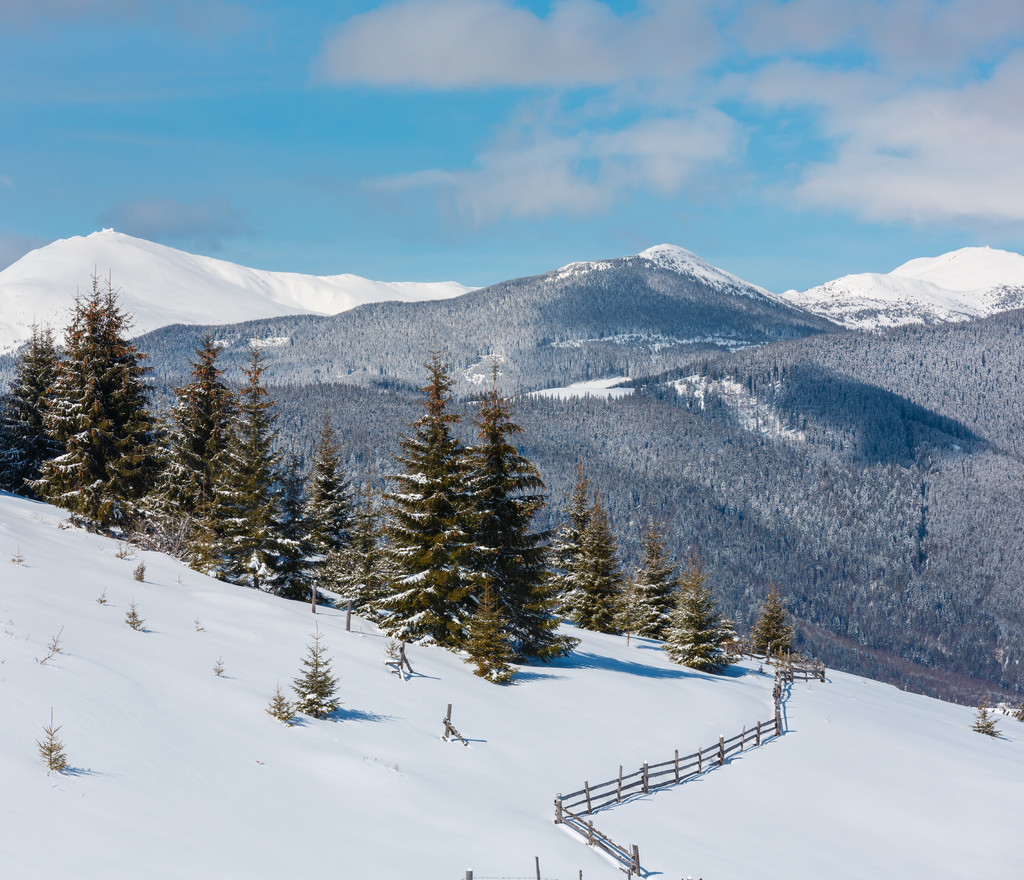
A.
x: 178, y: 772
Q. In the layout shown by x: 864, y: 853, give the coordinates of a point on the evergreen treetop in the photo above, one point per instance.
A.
x: 488, y: 642
x: 697, y: 634
x: 329, y: 511
x: 317, y: 687
x: 593, y: 602
x: 654, y: 586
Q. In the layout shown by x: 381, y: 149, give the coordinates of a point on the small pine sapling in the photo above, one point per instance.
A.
x: 132, y: 618
x: 199, y: 626
x: 124, y: 551
x: 280, y: 708
x: 488, y: 643
x: 316, y: 687
x: 140, y: 572
x: 51, y: 749
x: 984, y: 722
x: 102, y: 600
x: 53, y: 648
x: 17, y: 558
x: 218, y: 667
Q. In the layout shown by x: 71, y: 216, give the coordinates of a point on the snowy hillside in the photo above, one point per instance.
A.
x: 160, y: 285
x: 964, y: 284
x: 180, y: 773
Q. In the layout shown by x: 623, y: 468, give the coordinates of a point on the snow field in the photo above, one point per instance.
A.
x: 180, y: 773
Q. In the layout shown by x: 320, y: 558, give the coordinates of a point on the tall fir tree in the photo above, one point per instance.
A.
x: 247, y: 514
x: 329, y: 509
x: 566, y: 552
x: 291, y: 577
x: 98, y: 415
x: 506, y: 494
x: 432, y: 592
x: 594, y: 603
x: 772, y: 632
x: 697, y: 634
x: 196, y: 438
x: 653, y: 588
x: 24, y: 441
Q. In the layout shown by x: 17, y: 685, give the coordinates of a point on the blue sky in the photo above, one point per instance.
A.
x: 478, y: 140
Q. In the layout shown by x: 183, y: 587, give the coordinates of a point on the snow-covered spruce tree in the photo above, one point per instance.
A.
x: 294, y: 549
x: 329, y: 510
x: 772, y: 632
x: 566, y: 552
x: 984, y: 722
x: 594, y: 603
x: 433, y: 593
x: 488, y: 642
x: 316, y: 688
x: 358, y: 572
x: 247, y: 511
x: 506, y: 494
x: 195, y: 440
x: 24, y: 441
x: 697, y: 634
x: 280, y: 708
x: 97, y: 414
x: 652, y: 593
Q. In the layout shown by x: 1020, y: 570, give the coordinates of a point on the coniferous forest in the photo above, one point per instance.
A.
x: 856, y: 478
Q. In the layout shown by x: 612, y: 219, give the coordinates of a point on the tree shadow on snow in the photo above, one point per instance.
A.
x: 358, y: 715
x: 586, y: 660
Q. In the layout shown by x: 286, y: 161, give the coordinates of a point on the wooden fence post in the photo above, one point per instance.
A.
x: 636, y: 860
x: 743, y: 737
x: 590, y: 833
x: 469, y: 874
x: 447, y: 720
x: 677, y: 766
x: 618, y: 788
x: 558, y: 809
x: 757, y: 733
x: 721, y: 749
x: 536, y: 860
x: 644, y: 777
x: 586, y: 791
x: 700, y: 760
x: 778, y: 722
x: 348, y: 617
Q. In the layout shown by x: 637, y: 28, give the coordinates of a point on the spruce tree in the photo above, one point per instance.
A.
x: 329, y: 510
x: 51, y: 749
x: 984, y: 722
x: 358, y: 572
x: 247, y: 515
x: 566, y: 551
x: 593, y: 604
x: 24, y: 441
x: 505, y: 491
x: 293, y: 547
x: 697, y: 634
x: 772, y: 632
x: 488, y: 641
x: 653, y: 588
x: 433, y: 592
x: 196, y: 438
x: 316, y: 688
x: 97, y: 414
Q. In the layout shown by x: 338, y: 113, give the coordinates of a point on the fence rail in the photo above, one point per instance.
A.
x: 676, y: 770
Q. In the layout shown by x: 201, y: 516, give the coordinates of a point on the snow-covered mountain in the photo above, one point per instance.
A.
x: 958, y: 286
x: 159, y: 285
x: 176, y: 772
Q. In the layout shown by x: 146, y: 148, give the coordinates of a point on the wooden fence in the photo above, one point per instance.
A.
x: 569, y: 808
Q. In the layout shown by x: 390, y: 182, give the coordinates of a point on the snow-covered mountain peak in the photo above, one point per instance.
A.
x: 159, y: 285
x: 968, y: 283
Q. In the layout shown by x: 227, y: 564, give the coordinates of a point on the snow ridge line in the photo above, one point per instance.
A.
x: 594, y: 798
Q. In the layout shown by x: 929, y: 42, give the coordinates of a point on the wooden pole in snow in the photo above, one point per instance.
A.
x: 348, y: 617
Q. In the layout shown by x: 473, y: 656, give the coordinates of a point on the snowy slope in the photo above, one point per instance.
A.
x: 957, y: 286
x: 160, y: 285
x: 179, y: 773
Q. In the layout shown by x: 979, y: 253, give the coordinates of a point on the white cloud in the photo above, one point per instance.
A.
x: 447, y: 44
x: 538, y: 171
